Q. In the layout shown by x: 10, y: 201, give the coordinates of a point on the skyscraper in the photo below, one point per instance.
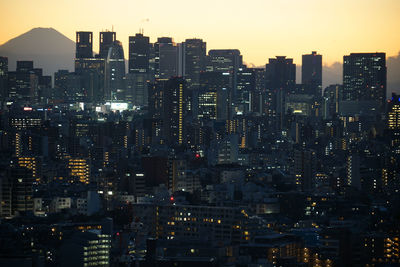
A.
x: 213, y: 102
x: 174, y: 110
x: 258, y: 96
x: 24, y: 66
x: 91, y: 72
x: 225, y: 60
x: 3, y: 76
x: 311, y: 73
x: 280, y: 80
x: 195, y: 61
x: 166, y: 58
x: 137, y: 88
x: 331, y: 100
x: 115, y: 72
x: 245, y: 88
x: 84, y: 45
x: 139, y: 72
x: 139, y: 53
x: 280, y: 73
x: 23, y: 83
x: 106, y: 41
x: 364, y: 78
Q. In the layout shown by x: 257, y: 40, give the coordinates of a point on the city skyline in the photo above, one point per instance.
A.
x: 260, y: 31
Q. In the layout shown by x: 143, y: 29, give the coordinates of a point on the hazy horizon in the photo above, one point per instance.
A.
x: 259, y: 29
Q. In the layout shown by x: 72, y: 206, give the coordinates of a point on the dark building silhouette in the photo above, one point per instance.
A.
x: 258, y: 97
x: 364, y: 78
x: 280, y: 80
x: 137, y: 88
x: 139, y: 70
x: 3, y: 76
x: 24, y: 66
x: 67, y: 85
x: 332, y: 100
x: 139, y: 53
x: 84, y: 45
x: 115, y: 72
x: 156, y: 109
x: 225, y: 60
x: 195, y: 61
x: 311, y: 73
x: 16, y: 191
x: 106, y: 41
x: 91, y: 72
x: 213, y: 98
x: 166, y: 58
x: 155, y: 170
x: 174, y: 110
x: 246, y: 84
x: 23, y: 83
x: 280, y: 73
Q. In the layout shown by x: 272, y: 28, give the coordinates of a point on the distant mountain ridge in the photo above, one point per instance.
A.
x: 48, y: 48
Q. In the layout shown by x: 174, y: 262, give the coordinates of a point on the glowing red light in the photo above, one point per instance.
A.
x: 197, y: 155
x: 118, y: 234
x: 171, y: 198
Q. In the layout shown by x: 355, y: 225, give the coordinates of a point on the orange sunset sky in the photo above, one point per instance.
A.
x: 259, y: 28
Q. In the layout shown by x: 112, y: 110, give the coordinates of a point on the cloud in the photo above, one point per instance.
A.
x: 393, y: 74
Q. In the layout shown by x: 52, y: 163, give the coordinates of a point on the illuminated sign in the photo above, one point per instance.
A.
x: 119, y: 106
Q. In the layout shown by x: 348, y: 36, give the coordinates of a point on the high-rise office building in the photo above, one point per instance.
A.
x: 166, y: 58
x: 156, y: 109
x: 107, y: 39
x: 331, y: 100
x: 280, y: 73
x: 280, y: 80
x: 115, y: 72
x: 84, y: 45
x: 67, y: 85
x: 139, y: 70
x: 246, y: 84
x: 311, y: 73
x: 137, y: 88
x: 258, y: 96
x: 3, y: 77
x: 139, y: 53
x: 195, y: 61
x: 24, y: 66
x: 91, y: 73
x: 174, y: 110
x: 364, y: 78
x: 23, y: 83
x: 213, y: 102
x: 225, y: 60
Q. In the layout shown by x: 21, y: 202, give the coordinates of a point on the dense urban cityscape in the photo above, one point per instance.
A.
x: 187, y: 157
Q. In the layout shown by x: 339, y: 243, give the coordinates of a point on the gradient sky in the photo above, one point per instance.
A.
x: 259, y: 28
